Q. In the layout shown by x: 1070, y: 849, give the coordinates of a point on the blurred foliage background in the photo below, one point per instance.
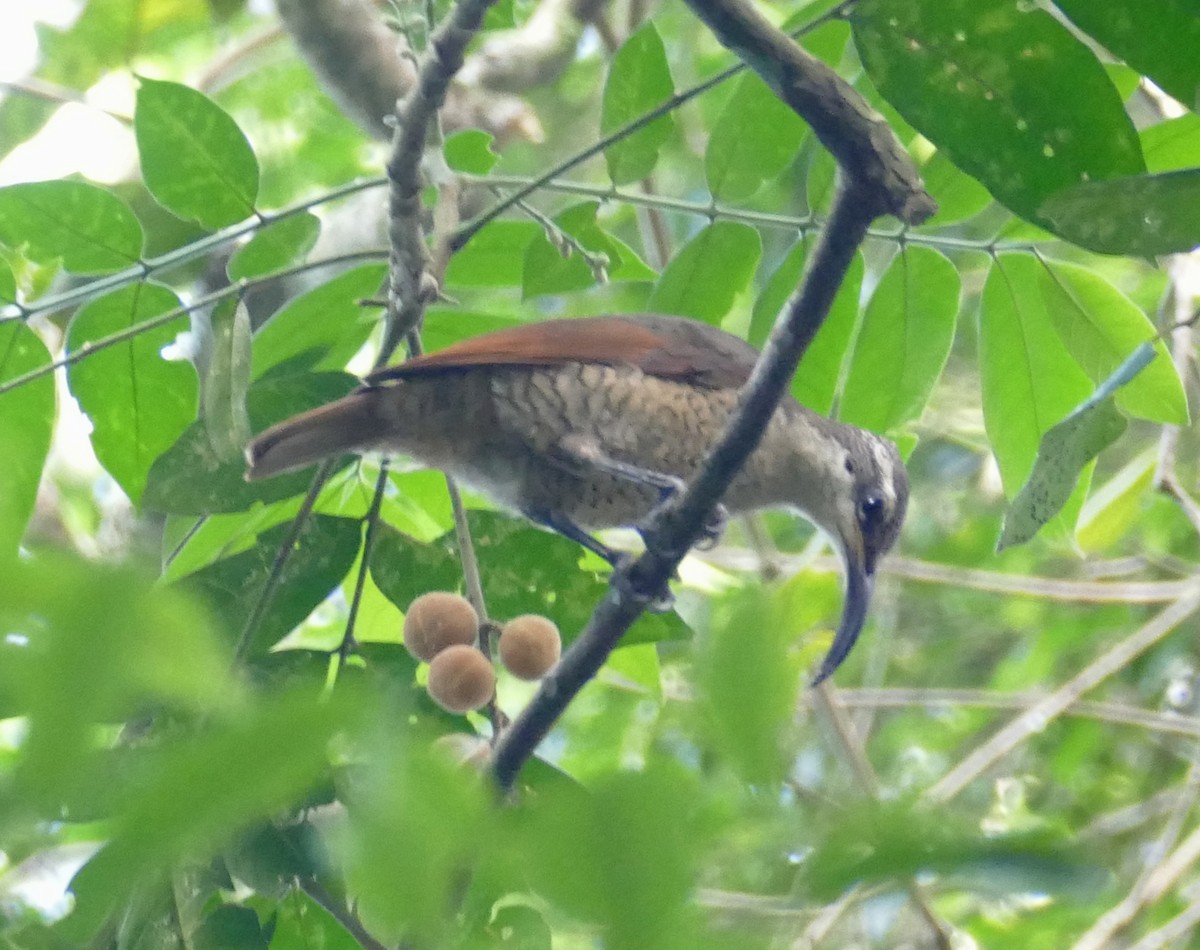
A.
x: 192, y: 246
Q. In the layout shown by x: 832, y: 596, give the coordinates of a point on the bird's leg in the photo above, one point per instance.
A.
x: 660, y: 603
x: 585, y: 453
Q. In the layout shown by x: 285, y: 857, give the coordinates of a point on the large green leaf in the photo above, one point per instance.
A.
x: 325, y: 551
x: 1005, y: 90
x: 102, y: 643
x: 1029, y: 379
x: 26, y: 423
x: 708, y: 273
x: 638, y: 80
x: 89, y: 228
x: 181, y: 802
x: 754, y: 139
x: 1173, y: 144
x: 1140, y: 215
x: 1101, y: 327
x: 816, y: 381
x: 1156, y: 37
x: 195, y: 160
x: 747, y: 680
x: 139, y: 403
x: 904, y: 341
x: 622, y: 855
x: 320, y: 329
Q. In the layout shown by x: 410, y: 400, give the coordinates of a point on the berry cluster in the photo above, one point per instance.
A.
x: 442, y: 629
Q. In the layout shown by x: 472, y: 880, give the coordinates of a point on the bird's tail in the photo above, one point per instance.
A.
x: 350, y: 424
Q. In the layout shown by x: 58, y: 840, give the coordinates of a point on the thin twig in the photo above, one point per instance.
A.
x: 1049, y: 588
x: 189, y: 252
x: 349, y: 640
x: 284, y: 552
x: 342, y: 914
x: 240, y: 287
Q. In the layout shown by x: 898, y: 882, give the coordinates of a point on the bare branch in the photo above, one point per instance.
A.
x: 864, y: 145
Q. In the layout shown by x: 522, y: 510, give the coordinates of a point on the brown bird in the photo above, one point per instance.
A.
x: 590, y: 423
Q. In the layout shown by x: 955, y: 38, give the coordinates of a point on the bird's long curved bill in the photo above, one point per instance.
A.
x: 859, y: 585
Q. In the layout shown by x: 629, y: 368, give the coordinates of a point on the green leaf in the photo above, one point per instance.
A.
x: 709, y: 272
x: 638, y: 81
x: 321, y: 329
x: 959, y: 196
x: 104, y: 643
x: 182, y: 803
x: 524, y: 569
x: 324, y: 553
x: 470, y: 152
x: 191, y: 479
x: 275, y: 246
x: 1065, y: 450
x: 495, y: 257
x: 1101, y: 327
x: 303, y: 924
x: 819, y: 376
x: 230, y: 927
x: 139, y: 403
x: 195, y: 160
x: 26, y: 424
x: 747, y: 682
x: 90, y: 229
x: 1113, y: 508
x: 8, y: 284
x: 1141, y: 215
x: 754, y: 140
x: 1172, y: 145
x: 621, y: 855
x: 1029, y: 379
x: 904, y: 342
x: 226, y: 379
x: 1158, y: 38
x: 547, y: 271
x: 416, y: 827
x: 1006, y: 91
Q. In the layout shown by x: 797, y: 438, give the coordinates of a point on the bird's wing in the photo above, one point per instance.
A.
x: 666, y: 347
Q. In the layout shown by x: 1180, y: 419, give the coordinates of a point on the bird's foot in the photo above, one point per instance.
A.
x: 710, y: 532
x: 660, y: 602
x: 714, y: 527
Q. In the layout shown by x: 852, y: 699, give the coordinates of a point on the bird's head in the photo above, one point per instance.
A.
x: 864, y: 515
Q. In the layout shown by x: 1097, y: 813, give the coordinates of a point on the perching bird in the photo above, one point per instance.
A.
x: 590, y: 423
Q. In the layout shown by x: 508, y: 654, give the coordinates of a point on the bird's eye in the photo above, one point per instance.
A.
x: 870, y: 509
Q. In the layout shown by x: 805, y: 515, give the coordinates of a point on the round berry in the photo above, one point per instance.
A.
x: 461, y: 679
x: 529, y: 646
x: 438, y: 620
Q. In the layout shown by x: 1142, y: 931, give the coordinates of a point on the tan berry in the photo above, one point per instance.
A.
x: 461, y: 679
x: 529, y: 646
x: 438, y: 620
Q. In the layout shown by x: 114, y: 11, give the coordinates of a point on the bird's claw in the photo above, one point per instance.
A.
x: 658, y: 603
x: 714, y: 527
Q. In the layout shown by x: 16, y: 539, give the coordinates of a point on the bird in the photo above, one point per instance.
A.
x: 588, y: 423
